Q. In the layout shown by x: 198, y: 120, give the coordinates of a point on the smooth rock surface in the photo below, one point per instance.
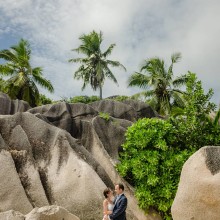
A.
x: 198, y: 194
x: 50, y: 213
x: 11, y: 215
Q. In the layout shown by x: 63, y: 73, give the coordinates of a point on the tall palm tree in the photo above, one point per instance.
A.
x: 163, y: 92
x: 95, y: 65
x: 22, y: 77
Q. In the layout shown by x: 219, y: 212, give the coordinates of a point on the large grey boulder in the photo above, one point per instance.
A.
x: 142, y: 109
x: 50, y: 213
x: 115, y: 109
x: 53, y: 170
x: 53, y: 212
x: 11, y: 215
x: 66, y: 116
x: 10, y: 107
x: 111, y: 133
x: 12, y: 193
x: 198, y: 192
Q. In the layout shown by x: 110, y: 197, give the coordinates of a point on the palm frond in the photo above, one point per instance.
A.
x: 109, y: 50
x: 217, y: 117
x: 38, y: 78
x: 154, y: 66
x: 143, y: 95
x: 153, y: 102
x: 178, y: 98
x: 176, y: 111
x: 110, y: 75
x: 138, y: 79
x: 8, y: 55
x: 6, y: 70
x: 43, y: 82
x: 176, y: 57
x: 181, y: 80
x: 78, y: 60
x: 115, y: 64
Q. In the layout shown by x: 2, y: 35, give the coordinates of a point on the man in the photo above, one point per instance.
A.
x: 120, y: 204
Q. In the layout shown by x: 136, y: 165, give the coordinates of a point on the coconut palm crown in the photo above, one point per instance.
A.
x: 21, y: 77
x: 160, y: 88
x: 94, y: 65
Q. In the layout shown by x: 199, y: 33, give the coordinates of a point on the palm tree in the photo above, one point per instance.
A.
x: 22, y: 77
x: 164, y: 93
x: 2, y: 81
x: 95, y: 65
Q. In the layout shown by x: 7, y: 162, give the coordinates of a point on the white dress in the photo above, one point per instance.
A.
x: 110, y: 208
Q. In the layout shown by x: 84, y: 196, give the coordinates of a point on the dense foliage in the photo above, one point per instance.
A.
x: 83, y: 99
x: 89, y: 99
x: 155, y: 150
x: 120, y: 98
x: 45, y: 100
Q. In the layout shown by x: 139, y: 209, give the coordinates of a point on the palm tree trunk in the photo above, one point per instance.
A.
x: 100, y: 91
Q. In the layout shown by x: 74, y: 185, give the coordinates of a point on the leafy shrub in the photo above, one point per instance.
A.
x: 45, y: 100
x: 152, y: 164
x: 83, y: 99
x: 104, y: 115
x: 119, y: 98
x: 194, y: 128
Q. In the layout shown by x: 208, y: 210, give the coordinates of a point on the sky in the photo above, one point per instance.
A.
x: 141, y: 29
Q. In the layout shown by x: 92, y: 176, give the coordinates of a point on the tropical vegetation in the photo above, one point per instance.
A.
x: 95, y: 65
x: 83, y: 99
x: 155, y: 150
x: 159, y: 84
x: 22, y: 78
x: 44, y: 100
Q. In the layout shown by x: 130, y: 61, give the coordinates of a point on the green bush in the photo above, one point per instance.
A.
x: 119, y: 98
x: 104, y: 115
x: 83, y: 99
x: 45, y: 100
x: 155, y: 150
x: 152, y: 164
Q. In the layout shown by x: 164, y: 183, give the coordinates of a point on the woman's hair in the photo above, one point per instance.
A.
x: 106, y: 192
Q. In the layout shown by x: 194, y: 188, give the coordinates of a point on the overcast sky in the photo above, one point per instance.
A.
x: 141, y: 29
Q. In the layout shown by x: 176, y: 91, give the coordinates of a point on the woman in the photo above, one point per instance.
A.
x: 108, y: 203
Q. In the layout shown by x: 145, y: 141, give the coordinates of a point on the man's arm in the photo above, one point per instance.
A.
x: 120, y: 209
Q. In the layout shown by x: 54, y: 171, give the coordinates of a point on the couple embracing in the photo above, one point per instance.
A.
x: 114, y: 207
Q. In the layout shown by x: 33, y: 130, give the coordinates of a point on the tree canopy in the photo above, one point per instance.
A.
x: 159, y: 84
x: 22, y: 80
x: 95, y: 65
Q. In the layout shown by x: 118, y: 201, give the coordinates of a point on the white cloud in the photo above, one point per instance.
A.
x: 140, y: 29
